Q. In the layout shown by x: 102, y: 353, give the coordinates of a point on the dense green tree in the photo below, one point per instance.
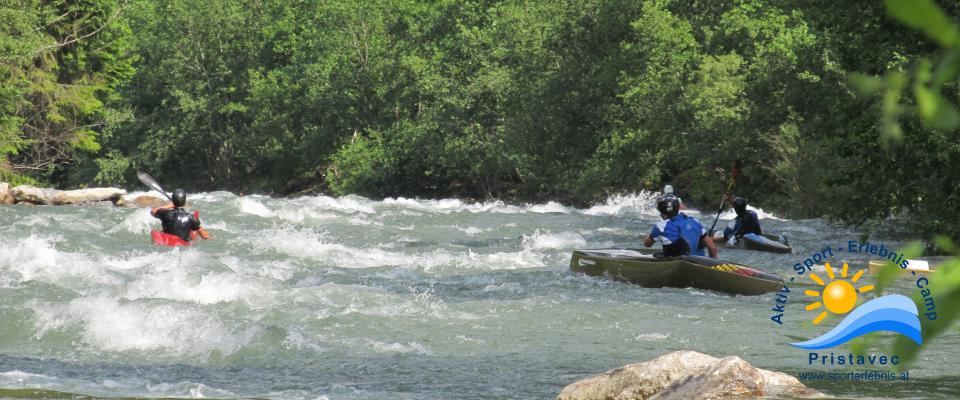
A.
x: 554, y: 99
x: 61, y: 62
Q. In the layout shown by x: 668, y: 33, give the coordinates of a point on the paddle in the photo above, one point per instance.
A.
x: 150, y: 181
x: 733, y: 178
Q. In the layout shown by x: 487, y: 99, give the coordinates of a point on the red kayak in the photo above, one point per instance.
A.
x: 166, y: 239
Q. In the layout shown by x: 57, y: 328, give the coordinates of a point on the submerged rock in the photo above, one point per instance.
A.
x: 88, y: 195
x: 5, y: 196
x: 686, y: 375
x: 144, y: 200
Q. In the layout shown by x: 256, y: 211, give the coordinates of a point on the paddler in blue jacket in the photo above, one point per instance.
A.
x: 177, y: 221
x: 679, y: 234
x: 746, y: 221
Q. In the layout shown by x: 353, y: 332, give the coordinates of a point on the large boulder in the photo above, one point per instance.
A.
x: 87, y: 195
x: 5, y: 196
x: 686, y: 375
x: 32, y: 195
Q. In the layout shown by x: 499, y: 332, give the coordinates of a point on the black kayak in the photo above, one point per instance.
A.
x: 764, y: 242
x: 643, y: 268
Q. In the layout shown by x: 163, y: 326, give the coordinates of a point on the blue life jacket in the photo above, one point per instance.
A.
x: 679, y: 235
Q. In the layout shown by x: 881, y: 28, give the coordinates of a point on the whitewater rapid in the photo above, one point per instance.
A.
x: 355, y: 298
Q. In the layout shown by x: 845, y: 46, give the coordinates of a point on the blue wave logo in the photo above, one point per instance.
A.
x: 894, y: 313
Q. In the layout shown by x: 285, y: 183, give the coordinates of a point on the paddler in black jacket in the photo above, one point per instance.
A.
x: 746, y: 221
x: 177, y: 221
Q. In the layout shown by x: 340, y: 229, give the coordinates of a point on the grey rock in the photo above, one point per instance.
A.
x: 87, y: 195
x: 32, y: 195
x: 5, y: 196
x: 686, y: 375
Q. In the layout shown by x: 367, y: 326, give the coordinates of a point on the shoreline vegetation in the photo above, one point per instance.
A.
x: 569, y: 101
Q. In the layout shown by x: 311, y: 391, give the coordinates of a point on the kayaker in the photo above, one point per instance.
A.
x: 668, y: 189
x: 177, y: 221
x: 678, y: 233
x: 746, y: 221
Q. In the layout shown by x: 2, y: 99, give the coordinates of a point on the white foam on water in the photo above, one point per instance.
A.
x: 471, y: 230
x: 363, y: 221
x: 350, y: 204
x: 643, y: 203
x: 210, y: 288
x: 139, y: 221
x: 447, y: 206
x: 249, y: 205
x: 299, y: 215
x: 550, y: 207
x: 36, y: 258
x: 541, y: 240
x: 399, y: 348
x: 729, y: 214
x: 129, y: 263
x: 444, y: 206
x: 33, y: 220
x: 312, y: 245
x: 280, y: 270
x: 209, y: 197
x: 17, y: 378
x: 651, y: 337
x: 163, y: 329
x: 188, y: 390
x: 613, y: 231
x: 79, y: 223
x: 138, y: 193
x: 296, y: 340
x: 337, y: 300
x: 292, y: 395
x: 503, y: 260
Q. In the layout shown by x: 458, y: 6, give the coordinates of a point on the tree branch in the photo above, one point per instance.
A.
x: 115, y: 15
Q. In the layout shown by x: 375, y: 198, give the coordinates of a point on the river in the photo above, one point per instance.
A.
x: 350, y: 298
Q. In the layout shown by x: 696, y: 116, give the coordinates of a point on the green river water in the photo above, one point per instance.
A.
x: 350, y: 298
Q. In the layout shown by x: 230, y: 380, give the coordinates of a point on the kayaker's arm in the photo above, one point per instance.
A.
x: 204, y: 234
x: 168, y: 206
x: 648, y: 241
x: 711, y: 247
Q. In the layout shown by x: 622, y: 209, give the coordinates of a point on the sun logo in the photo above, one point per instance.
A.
x: 839, y: 296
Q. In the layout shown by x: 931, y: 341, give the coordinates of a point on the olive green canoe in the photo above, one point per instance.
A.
x: 643, y: 268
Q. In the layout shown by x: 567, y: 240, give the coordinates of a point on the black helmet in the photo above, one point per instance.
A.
x: 739, y: 205
x: 179, y: 197
x: 668, y: 204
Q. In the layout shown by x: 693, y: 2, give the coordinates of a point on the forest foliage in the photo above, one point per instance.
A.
x: 526, y: 101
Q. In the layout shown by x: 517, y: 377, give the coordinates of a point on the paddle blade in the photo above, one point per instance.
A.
x: 736, y: 170
x: 151, y: 182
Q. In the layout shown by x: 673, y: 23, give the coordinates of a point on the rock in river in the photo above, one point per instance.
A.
x: 145, y: 200
x: 87, y: 195
x: 32, y: 195
x: 687, y: 375
x: 5, y: 196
